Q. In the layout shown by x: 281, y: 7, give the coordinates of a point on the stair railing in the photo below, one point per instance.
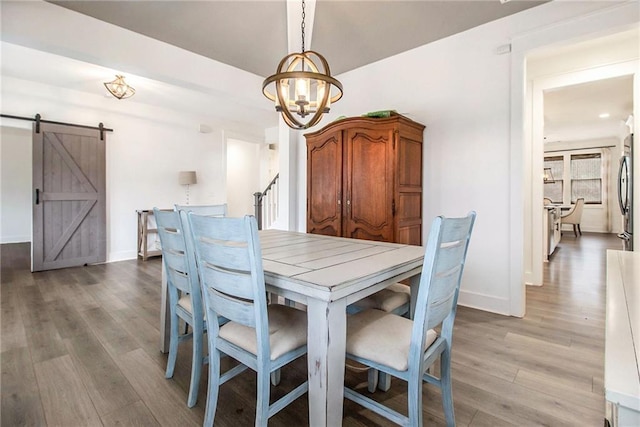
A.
x: 266, y: 204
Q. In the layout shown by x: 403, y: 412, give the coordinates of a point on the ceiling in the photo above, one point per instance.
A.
x: 587, y: 110
x: 252, y: 35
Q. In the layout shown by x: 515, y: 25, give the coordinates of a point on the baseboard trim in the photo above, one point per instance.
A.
x: 484, y: 302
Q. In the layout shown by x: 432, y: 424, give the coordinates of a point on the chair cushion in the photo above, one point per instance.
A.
x: 382, y: 337
x: 287, y: 331
x: 387, y: 299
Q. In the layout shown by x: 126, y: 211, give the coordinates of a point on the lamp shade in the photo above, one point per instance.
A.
x: 187, y: 178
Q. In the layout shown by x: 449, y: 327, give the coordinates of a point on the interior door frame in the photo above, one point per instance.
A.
x: 537, y: 148
x: 614, y: 19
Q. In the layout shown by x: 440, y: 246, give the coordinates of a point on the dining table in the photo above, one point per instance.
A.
x: 324, y: 274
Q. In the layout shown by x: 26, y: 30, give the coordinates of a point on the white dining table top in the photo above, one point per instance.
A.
x: 328, y: 268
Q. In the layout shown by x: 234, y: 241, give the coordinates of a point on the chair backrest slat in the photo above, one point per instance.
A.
x: 206, y: 210
x: 229, y: 278
x: 230, y: 264
x: 231, y: 308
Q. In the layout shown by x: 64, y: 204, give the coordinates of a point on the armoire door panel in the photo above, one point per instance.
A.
x: 324, y: 187
x: 370, y: 184
x: 409, y: 163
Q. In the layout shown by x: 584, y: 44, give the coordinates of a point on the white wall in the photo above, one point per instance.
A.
x: 15, y: 179
x: 243, y: 164
x: 147, y: 149
x: 460, y: 88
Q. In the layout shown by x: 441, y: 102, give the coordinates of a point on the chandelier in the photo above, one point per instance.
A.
x: 303, y: 86
x: 119, y: 88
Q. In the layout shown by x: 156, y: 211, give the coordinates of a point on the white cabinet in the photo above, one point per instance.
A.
x: 622, y: 339
x: 552, y: 227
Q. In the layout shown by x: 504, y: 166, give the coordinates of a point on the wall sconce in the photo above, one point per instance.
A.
x: 119, y: 88
x: 187, y: 178
x: 547, y: 176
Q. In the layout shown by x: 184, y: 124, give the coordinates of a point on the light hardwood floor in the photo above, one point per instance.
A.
x: 79, y: 347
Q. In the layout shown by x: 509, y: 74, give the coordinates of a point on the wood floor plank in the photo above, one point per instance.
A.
x: 104, y: 294
x: 67, y: 320
x: 21, y: 405
x: 575, y: 394
x: 106, y: 385
x: 146, y: 336
x: 556, y: 408
x: 63, y: 394
x: 163, y: 398
x: 482, y: 419
x: 42, y: 335
x: 12, y: 328
x: 113, y: 336
x: 77, y: 295
x: 133, y: 415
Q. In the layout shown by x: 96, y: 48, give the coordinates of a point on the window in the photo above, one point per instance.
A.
x: 554, y: 190
x: 586, y: 178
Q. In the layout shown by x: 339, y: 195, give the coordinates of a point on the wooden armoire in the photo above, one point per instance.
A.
x: 364, y: 179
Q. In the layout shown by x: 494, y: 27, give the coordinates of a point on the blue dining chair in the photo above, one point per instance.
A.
x: 185, y: 300
x: 261, y: 336
x: 395, y: 299
x: 206, y: 210
x: 406, y: 348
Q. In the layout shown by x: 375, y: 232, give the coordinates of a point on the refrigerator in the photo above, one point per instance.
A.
x: 625, y: 193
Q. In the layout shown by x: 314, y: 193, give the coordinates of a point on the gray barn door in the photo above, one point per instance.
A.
x: 69, y: 203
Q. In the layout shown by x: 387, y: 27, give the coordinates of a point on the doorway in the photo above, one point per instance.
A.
x: 626, y: 71
x: 243, y: 177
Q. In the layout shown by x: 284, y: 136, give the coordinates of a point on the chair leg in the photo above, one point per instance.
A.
x: 196, y: 367
x: 579, y: 230
x: 262, y: 402
x: 173, y: 346
x: 275, y: 377
x: 384, y: 381
x: 445, y: 381
x: 575, y: 229
x: 213, y: 387
x: 415, y: 401
x: 372, y: 379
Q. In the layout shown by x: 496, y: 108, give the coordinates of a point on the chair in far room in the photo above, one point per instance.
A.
x: 574, y: 216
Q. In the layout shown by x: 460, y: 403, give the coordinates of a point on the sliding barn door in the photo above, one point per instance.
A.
x: 69, y: 203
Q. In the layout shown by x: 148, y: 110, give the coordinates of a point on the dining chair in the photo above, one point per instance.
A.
x: 185, y: 300
x: 395, y: 299
x: 261, y: 336
x: 574, y: 216
x: 406, y: 348
x: 207, y: 210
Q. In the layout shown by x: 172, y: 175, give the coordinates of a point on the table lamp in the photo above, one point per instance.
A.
x: 187, y: 178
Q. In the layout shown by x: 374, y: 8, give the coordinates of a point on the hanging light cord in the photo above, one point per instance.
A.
x: 302, y: 26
